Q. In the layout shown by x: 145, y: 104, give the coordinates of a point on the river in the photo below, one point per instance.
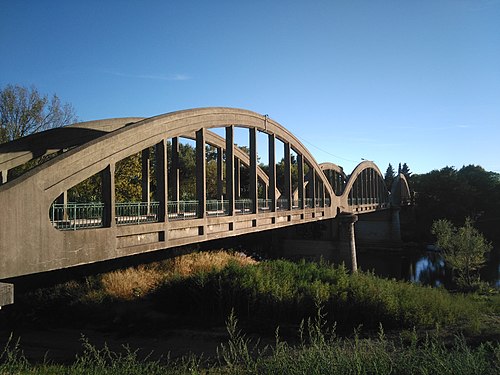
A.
x: 424, y: 267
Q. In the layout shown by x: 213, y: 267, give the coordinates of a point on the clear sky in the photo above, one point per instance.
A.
x: 388, y: 81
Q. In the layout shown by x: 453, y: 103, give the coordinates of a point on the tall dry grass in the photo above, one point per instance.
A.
x: 136, y: 282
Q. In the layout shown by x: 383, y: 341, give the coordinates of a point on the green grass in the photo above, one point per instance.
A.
x: 327, y: 304
x: 320, y: 351
x: 279, y: 292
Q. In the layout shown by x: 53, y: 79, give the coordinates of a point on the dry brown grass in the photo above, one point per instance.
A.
x: 189, y: 264
x: 136, y: 282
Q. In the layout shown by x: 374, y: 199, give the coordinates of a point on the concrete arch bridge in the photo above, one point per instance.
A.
x: 67, y: 211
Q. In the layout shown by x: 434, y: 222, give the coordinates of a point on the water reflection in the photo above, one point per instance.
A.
x: 429, y: 270
x: 426, y: 267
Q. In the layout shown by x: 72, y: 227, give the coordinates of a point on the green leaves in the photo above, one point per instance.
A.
x: 463, y: 249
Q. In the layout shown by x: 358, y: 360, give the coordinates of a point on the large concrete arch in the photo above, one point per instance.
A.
x: 31, y: 244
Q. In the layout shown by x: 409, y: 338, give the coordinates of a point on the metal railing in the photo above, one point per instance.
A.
x: 264, y: 205
x: 282, y: 204
x: 217, y: 207
x: 243, y: 206
x: 182, y: 210
x: 73, y: 216
x: 308, y: 203
x: 128, y: 213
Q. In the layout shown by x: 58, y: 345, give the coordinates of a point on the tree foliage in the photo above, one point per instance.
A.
x: 389, y: 176
x: 457, y: 194
x: 463, y: 250
x: 25, y: 111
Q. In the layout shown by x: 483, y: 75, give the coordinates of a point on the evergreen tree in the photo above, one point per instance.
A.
x: 389, y: 176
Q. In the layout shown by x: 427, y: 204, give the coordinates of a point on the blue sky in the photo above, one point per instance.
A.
x: 388, y: 81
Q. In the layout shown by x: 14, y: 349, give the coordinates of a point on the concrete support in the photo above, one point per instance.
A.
x: 201, y: 188
x: 146, y: 176
x: 161, y: 180
x: 300, y: 172
x: 272, y: 171
x: 63, y: 199
x: 230, y: 169
x: 395, y: 224
x: 254, y: 191
x: 108, y: 196
x: 220, y: 174
x: 6, y: 294
x: 174, y: 170
x: 3, y: 176
x: 347, y: 241
x: 237, y: 178
x: 288, y: 175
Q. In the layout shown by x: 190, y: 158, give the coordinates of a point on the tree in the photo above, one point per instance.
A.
x: 389, y: 176
x: 25, y: 111
x: 463, y: 249
x: 406, y: 171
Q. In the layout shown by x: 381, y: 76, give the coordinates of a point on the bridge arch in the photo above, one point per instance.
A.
x: 29, y: 197
x: 365, y: 188
x: 400, y: 191
x: 336, y: 176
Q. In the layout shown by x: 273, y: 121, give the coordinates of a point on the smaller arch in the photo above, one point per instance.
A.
x: 400, y: 191
x: 336, y: 177
x: 366, y: 187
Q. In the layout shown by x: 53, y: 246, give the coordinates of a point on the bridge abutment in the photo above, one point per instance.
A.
x: 379, y: 228
x: 6, y: 294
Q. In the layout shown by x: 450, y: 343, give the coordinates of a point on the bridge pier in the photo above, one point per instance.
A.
x: 347, y: 240
x: 6, y: 294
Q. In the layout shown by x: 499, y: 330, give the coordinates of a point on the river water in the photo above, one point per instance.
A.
x: 424, y: 267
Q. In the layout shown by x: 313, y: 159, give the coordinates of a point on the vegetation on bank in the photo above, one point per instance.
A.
x: 320, y: 351
x: 321, y: 304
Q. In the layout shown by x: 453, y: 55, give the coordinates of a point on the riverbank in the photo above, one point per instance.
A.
x: 181, y: 306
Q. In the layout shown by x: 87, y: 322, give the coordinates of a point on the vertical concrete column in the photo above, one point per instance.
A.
x: 174, y: 170
x: 230, y: 168
x: 161, y: 180
x: 108, y: 196
x: 63, y: 199
x: 322, y: 193
x: 347, y: 240
x: 300, y: 172
x: 395, y: 224
x: 312, y: 186
x: 254, y: 193
x: 6, y: 294
x: 146, y: 176
x: 272, y: 171
x: 237, y: 178
x: 3, y: 176
x: 220, y: 174
x: 201, y: 188
x: 288, y: 175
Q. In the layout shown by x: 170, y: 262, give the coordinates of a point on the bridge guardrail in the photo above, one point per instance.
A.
x: 73, y: 216
x: 136, y: 212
